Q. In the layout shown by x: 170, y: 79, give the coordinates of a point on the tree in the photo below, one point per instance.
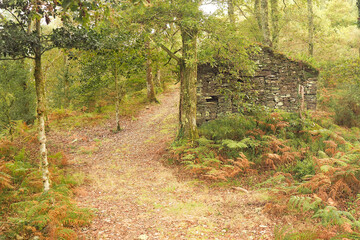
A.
x: 265, y: 22
x: 231, y: 14
x: 275, y: 17
x: 149, y: 76
x: 257, y: 12
x: 28, y: 45
x: 310, y: 27
x: 187, y: 15
x: 21, y: 37
x: 182, y: 22
x: 16, y: 93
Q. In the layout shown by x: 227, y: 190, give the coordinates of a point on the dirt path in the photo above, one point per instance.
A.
x: 137, y: 197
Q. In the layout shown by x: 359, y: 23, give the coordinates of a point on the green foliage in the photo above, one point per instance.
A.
x: 304, y: 168
x: 347, y: 106
x: 304, y: 203
x: 234, y: 144
x: 332, y: 216
x: 17, y: 94
x: 231, y: 127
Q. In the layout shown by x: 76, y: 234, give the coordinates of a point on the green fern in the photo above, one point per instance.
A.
x: 234, y: 144
x: 304, y: 203
x: 332, y: 216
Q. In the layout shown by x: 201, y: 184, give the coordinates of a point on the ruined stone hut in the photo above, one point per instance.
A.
x: 276, y: 83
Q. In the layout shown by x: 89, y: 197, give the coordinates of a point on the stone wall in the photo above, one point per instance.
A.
x: 276, y: 83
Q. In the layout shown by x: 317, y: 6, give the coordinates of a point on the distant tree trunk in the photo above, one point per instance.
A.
x: 117, y: 100
x: 275, y: 16
x: 158, y: 77
x: 188, y: 78
x: 231, y: 14
x: 311, y: 27
x: 66, y: 82
x: 302, y: 101
x: 41, y: 108
x: 149, y: 78
x: 257, y: 11
x: 265, y: 22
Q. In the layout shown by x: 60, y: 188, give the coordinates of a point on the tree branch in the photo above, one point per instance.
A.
x: 171, y: 54
x: 17, y: 19
x: 242, y: 12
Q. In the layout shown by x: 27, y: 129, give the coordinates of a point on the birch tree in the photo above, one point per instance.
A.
x: 21, y: 37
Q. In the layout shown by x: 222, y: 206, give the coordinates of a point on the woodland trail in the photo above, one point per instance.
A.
x: 137, y: 197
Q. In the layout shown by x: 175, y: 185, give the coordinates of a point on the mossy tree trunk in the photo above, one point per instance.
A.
x: 265, y: 22
x: 149, y: 76
x: 41, y: 108
x: 231, y: 13
x: 188, y: 78
x: 257, y: 11
x: 275, y: 17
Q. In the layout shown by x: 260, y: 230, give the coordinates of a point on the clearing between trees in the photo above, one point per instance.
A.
x: 137, y: 197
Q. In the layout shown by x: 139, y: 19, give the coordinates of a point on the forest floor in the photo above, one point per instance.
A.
x: 136, y: 196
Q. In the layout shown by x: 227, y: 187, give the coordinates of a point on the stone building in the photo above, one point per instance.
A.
x: 276, y: 83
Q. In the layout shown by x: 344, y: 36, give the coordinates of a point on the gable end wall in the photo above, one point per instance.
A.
x: 276, y: 82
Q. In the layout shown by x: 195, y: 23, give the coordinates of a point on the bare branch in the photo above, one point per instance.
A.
x: 171, y: 54
x: 17, y: 19
x: 242, y: 12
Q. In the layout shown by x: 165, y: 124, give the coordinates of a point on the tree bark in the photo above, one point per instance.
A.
x: 158, y: 77
x: 117, y: 100
x: 265, y: 22
x: 41, y: 108
x: 275, y: 16
x: 149, y: 77
x: 257, y: 11
x: 311, y: 27
x: 188, y: 78
x: 231, y: 14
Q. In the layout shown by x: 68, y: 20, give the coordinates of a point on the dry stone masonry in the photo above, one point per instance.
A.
x: 276, y: 83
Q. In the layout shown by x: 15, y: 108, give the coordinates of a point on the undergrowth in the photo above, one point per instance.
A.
x: 313, y: 165
x: 26, y: 211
